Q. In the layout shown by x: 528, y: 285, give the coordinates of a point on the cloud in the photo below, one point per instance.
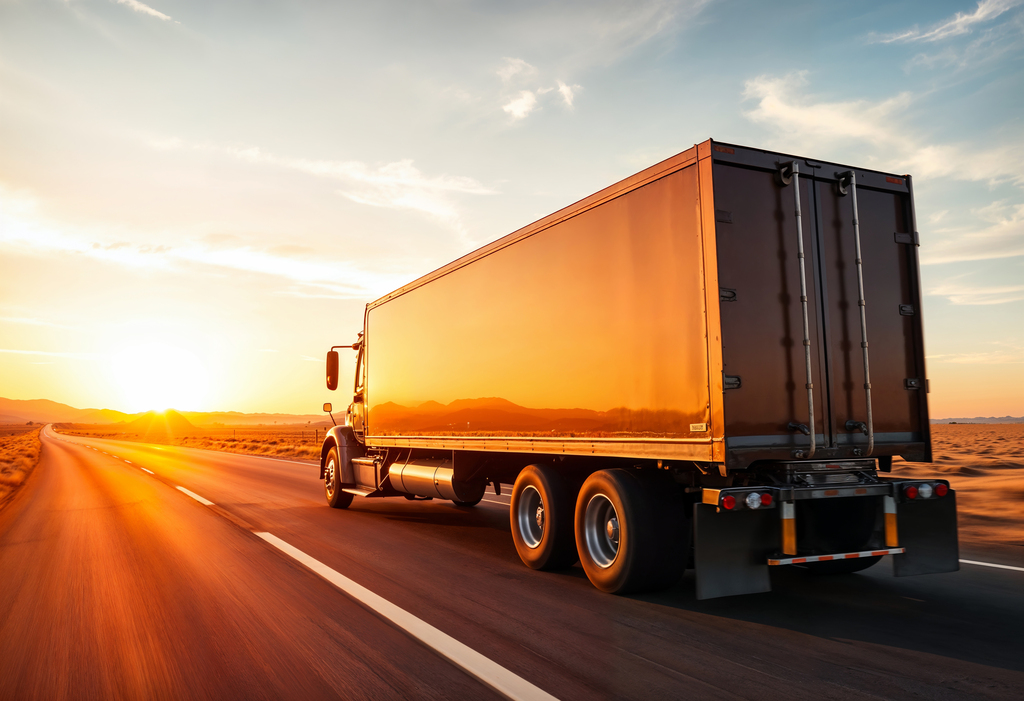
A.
x: 515, y: 67
x: 1008, y: 353
x: 566, y: 92
x: 957, y: 25
x: 803, y: 124
x: 961, y: 294
x: 519, y: 107
x: 144, y: 9
x: 309, y: 276
x: 397, y: 185
x: 32, y: 322
x: 53, y: 354
x: 1003, y: 238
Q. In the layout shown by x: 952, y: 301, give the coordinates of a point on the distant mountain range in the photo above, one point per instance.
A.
x: 983, y: 420
x: 20, y: 411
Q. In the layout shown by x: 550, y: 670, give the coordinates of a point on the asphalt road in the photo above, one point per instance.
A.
x: 116, y: 584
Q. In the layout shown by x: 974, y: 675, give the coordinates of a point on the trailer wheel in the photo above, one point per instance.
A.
x: 541, y: 517
x: 336, y: 498
x: 630, y: 535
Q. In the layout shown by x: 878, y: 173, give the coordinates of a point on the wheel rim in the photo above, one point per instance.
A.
x: 602, y: 532
x: 530, y: 517
x: 329, y: 478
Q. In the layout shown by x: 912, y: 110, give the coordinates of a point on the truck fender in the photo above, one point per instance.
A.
x: 344, y: 439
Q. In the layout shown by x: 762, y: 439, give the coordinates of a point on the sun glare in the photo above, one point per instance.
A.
x: 159, y: 376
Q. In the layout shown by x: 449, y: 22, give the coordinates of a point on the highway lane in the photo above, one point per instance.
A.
x: 116, y: 586
x: 864, y: 635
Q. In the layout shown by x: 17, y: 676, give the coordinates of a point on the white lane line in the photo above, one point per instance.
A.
x: 991, y: 564
x: 129, y: 462
x: 491, y: 501
x: 486, y: 670
x: 149, y: 471
x: 195, y: 496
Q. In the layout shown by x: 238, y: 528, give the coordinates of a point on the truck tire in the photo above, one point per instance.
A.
x: 629, y: 538
x: 336, y: 498
x: 541, y: 514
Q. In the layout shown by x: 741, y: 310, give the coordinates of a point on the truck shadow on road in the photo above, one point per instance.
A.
x: 959, y: 615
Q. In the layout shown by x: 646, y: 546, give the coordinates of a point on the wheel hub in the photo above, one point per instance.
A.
x: 601, y: 531
x: 530, y: 517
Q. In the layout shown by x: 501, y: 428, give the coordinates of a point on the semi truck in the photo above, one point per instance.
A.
x: 710, y: 364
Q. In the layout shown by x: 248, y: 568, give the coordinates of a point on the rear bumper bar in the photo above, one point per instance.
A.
x: 836, y: 556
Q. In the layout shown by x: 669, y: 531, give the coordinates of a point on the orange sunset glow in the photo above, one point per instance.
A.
x: 420, y: 349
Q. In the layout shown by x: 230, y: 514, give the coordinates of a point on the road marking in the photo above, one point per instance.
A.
x: 491, y: 501
x: 149, y: 471
x: 486, y: 670
x: 130, y: 462
x: 195, y: 496
x: 990, y: 564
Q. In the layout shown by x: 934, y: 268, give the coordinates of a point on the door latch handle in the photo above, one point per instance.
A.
x: 852, y: 425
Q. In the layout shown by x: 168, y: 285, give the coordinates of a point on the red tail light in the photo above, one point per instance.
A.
x: 910, y: 492
x: 940, y: 490
x: 766, y: 499
x: 728, y: 501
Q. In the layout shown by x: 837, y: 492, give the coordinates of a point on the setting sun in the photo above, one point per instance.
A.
x: 159, y: 376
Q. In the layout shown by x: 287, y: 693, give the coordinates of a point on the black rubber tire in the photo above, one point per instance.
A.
x: 467, y: 504
x: 652, y: 533
x: 840, y: 566
x: 556, y: 546
x: 336, y: 498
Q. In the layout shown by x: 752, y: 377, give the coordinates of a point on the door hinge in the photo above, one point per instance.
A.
x: 726, y: 295
x: 912, y: 383
x: 732, y: 382
x: 723, y: 216
x: 911, y: 239
x: 906, y: 310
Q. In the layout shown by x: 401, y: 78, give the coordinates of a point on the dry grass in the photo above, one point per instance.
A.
x: 19, y: 452
x: 273, y: 441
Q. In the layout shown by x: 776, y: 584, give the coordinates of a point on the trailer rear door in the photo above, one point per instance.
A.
x: 766, y: 404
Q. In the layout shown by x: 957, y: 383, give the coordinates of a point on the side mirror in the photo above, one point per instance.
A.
x: 332, y: 371
x: 327, y: 408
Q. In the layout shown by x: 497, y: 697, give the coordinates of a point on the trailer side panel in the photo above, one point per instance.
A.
x: 590, y: 332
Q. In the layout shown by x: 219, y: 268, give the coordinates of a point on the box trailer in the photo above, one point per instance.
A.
x: 709, y: 364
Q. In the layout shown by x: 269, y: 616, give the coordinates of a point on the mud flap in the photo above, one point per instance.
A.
x: 927, y: 529
x: 731, y: 550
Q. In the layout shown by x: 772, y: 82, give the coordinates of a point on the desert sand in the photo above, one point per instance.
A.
x: 984, y: 463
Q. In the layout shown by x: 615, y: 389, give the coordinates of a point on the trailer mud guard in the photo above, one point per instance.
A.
x: 731, y: 550
x: 927, y: 529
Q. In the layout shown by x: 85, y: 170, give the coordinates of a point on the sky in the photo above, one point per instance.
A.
x: 197, y: 199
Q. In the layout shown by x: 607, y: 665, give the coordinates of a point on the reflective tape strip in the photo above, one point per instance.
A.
x: 892, y: 538
x: 788, y: 513
x: 837, y: 556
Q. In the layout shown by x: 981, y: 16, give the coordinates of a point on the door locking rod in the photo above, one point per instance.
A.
x: 790, y: 173
x: 848, y: 183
